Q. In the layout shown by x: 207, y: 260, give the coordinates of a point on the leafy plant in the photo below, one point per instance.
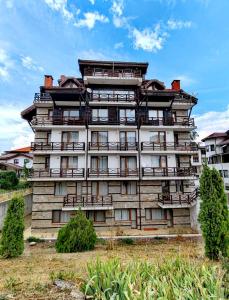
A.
x: 214, y: 216
x: 12, y: 243
x: 174, y: 278
x: 127, y: 241
x: 62, y: 275
x: 8, y: 180
x: 78, y: 235
x: 35, y: 239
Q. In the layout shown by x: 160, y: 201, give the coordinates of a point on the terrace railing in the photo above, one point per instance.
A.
x: 112, y: 121
x: 113, y: 73
x: 168, y: 172
x: 61, y: 146
x: 112, y: 172
x: 163, y: 146
x: 46, y: 120
x: 72, y: 200
x: 178, y: 199
x: 111, y: 97
x: 125, y: 146
x: 168, y: 121
x: 57, y: 173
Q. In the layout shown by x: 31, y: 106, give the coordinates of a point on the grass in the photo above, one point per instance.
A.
x: 32, y: 274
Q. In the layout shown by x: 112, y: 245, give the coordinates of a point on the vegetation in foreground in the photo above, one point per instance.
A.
x: 172, y: 279
x: 77, y: 235
x: 214, y: 214
x: 12, y: 242
x: 10, y: 182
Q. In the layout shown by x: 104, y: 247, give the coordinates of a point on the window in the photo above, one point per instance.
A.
x: 158, y: 161
x: 60, y: 189
x: 155, y: 114
x: 129, y: 188
x: 99, y: 114
x: 127, y: 136
x: 70, y: 136
x: 122, y: 215
x: 71, y: 113
x: 212, y: 147
x: 99, y: 137
x: 48, y: 137
x: 224, y: 173
x: 47, y: 162
x: 99, y: 162
x: 157, y: 136
x: 127, y: 114
x: 154, y: 214
x: 59, y: 216
x: 26, y: 161
x: 16, y: 161
x: 69, y: 162
x: 96, y: 216
x: 99, y: 188
x: 179, y: 186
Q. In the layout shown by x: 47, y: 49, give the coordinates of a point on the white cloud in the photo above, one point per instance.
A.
x: 6, y: 64
x: 148, y: 39
x: 12, y: 128
x: 212, y: 121
x: 90, y: 18
x: 92, y: 2
x: 117, y: 7
x: 60, y: 6
x: 186, y: 80
x: 178, y: 24
x: 117, y: 11
x: 118, y: 45
x: 9, y: 3
x: 29, y: 64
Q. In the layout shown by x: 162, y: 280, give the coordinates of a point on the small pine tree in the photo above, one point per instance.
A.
x: 76, y: 236
x: 12, y: 242
x: 213, y: 217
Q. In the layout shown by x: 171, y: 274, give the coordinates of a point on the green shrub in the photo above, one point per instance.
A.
x: 127, y: 241
x: 12, y: 243
x: 214, y: 216
x: 76, y: 236
x: 8, y: 180
x: 35, y: 239
x: 175, y: 278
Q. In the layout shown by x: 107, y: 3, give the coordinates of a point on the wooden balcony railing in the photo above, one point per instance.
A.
x: 169, y: 172
x: 57, y: 173
x: 112, y: 172
x: 62, y: 146
x: 125, y: 146
x: 112, y: 121
x: 113, y: 73
x: 167, y: 121
x: 72, y: 200
x: 169, y: 146
x: 45, y: 120
x: 178, y: 199
x: 111, y: 97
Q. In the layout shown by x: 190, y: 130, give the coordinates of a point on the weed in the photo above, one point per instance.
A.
x: 35, y: 239
x: 101, y: 241
x: 110, y: 245
x: 127, y: 241
x: 62, y: 275
x: 12, y: 284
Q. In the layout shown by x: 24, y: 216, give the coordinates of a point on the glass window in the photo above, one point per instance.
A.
x: 154, y: 214
x: 99, y: 136
x: 70, y: 136
x: 59, y: 216
x: 16, y: 161
x: 96, y: 216
x: 129, y: 188
x: 60, y: 189
x: 127, y: 113
x: 100, y: 113
x: 155, y: 113
x: 212, y: 147
x: 122, y: 215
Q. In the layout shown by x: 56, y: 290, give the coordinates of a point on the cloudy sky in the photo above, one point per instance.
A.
x: 181, y: 39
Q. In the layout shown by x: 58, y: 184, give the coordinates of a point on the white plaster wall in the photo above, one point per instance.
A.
x: 21, y: 161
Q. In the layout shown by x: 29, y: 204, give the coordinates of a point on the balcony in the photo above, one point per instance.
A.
x: 111, y: 76
x: 113, y: 146
x: 87, y: 202
x: 47, y: 121
x: 177, y: 200
x: 122, y: 98
x: 112, y: 173
x: 167, y: 121
x: 112, y: 121
x: 42, y: 97
x: 156, y: 146
x: 169, y: 172
x: 62, y: 146
x: 57, y: 174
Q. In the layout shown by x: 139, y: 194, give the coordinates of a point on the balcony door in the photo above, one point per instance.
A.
x: 128, y: 165
x: 128, y: 140
x: 69, y: 162
x: 99, y: 139
x: 127, y: 115
x: 99, y: 189
x: 100, y: 115
x: 157, y: 139
x: 99, y: 164
x: 68, y: 138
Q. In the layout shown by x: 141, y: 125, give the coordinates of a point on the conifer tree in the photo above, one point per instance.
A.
x: 12, y: 242
x: 213, y: 217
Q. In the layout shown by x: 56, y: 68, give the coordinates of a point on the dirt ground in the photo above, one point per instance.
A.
x: 29, y: 276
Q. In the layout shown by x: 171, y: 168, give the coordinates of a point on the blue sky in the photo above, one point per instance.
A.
x: 181, y: 39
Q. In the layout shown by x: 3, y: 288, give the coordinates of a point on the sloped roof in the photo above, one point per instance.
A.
x: 16, y: 167
x: 215, y: 135
x: 20, y: 150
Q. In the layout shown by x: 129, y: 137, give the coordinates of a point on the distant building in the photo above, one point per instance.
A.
x: 217, y: 154
x: 16, y: 159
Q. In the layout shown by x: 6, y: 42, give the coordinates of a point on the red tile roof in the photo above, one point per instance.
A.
x: 215, y: 135
x: 20, y: 150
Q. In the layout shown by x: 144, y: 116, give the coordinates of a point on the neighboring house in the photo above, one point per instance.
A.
x: 217, y: 154
x: 16, y: 159
x: 115, y: 144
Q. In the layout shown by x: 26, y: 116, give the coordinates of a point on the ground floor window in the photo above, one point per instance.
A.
x: 60, y: 188
x: 129, y: 188
x: 122, y: 215
x: 59, y: 216
x: 96, y: 216
x: 154, y: 214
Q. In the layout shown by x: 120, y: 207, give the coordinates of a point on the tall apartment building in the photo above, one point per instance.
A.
x: 116, y: 145
x: 217, y: 154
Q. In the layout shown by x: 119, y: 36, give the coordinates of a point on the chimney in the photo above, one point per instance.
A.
x: 175, y: 85
x: 48, y: 82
